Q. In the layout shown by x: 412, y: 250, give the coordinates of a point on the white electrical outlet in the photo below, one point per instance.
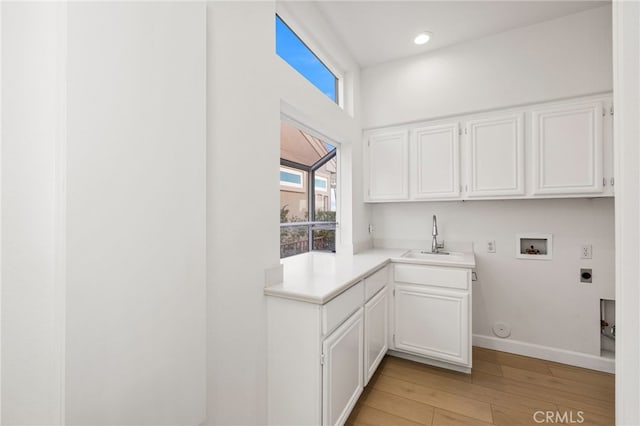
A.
x: 585, y: 253
x: 491, y: 246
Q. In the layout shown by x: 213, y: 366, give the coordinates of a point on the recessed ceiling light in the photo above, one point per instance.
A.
x: 422, y: 38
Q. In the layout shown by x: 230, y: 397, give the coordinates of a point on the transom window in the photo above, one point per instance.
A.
x: 297, y: 54
x: 308, y: 184
x: 292, y: 178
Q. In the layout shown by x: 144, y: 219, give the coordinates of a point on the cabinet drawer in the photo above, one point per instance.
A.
x: 433, y: 276
x: 374, y: 282
x: 343, y: 305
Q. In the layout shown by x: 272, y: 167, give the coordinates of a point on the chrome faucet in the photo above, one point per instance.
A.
x: 435, y: 246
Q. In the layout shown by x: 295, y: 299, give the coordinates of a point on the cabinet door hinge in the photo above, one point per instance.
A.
x: 394, y: 340
x: 612, y: 181
x: 611, y: 110
x: 321, y: 359
x: 604, y: 181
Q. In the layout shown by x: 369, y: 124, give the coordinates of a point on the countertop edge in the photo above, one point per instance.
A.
x: 461, y: 264
x: 288, y: 294
x: 301, y: 297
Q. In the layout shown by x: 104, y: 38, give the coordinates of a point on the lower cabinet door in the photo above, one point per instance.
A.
x: 432, y: 322
x: 342, y: 370
x: 376, y: 319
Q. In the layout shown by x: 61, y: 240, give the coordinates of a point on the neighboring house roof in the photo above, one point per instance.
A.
x: 297, y: 146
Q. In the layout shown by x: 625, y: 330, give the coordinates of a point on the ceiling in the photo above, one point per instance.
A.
x: 382, y: 31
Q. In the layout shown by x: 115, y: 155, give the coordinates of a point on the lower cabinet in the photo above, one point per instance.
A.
x: 432, y: 314
x: 321, y: 356
x: 342, y: 370
x: 432, y: 322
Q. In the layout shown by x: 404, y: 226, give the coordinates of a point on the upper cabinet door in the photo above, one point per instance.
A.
x: 496, y: 156
x: 567, y: 149
x: 435, y: 171
x: 386, y: 166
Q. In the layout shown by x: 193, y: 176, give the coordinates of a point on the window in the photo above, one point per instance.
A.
x: 293, y: 50
x: 321, y: 184
x: 292, y: 178
x: 308, y: 183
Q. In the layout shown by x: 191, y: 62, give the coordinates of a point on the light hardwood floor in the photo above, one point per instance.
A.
x: 503, y: 389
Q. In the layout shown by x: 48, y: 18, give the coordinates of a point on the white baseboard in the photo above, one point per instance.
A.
x: 548, y: 353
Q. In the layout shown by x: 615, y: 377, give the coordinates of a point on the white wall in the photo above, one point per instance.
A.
x: 565, y: 57
x: 136, y: 176
x: 129, y: 230
x: 246, y: 95
x: 626, y: 24
x: 543, y: 301
x: 31, y: 382
x: 243, y: 149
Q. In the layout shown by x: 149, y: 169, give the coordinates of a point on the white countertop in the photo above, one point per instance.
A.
x: 318, y: 277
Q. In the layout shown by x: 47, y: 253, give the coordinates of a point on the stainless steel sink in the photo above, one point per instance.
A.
x: 428, y: 255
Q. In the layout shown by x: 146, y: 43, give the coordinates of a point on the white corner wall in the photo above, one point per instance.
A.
x: 31, y: 382
x: 246, y: 95
x: 136, y: 223
x: 626, y: 24
x: 243, y: 151
x: 551, y: 314
x: 142, y: 153
x: 560, y: 58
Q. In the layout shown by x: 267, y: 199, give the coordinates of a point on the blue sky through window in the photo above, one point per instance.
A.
x: 290, y: 48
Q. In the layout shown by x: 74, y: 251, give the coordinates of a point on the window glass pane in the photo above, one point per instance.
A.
x: 294, y: 201
x: 290, y: 48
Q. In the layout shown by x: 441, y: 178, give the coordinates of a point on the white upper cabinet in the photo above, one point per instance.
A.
x: 386, y: 165
x: 435, y: 165
x: 568, y: 149
x: 558, y: 149
x: 495, y: 153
